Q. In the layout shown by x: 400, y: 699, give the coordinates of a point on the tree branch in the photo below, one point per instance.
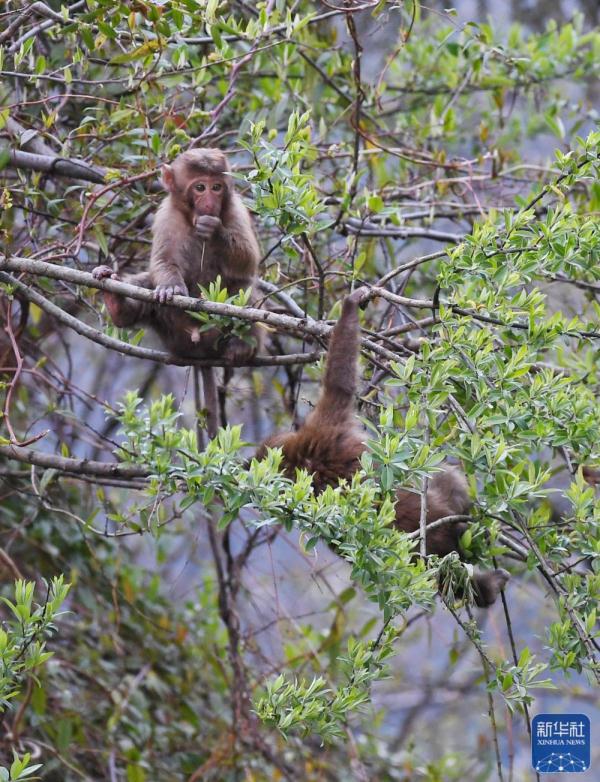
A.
x: 366, y: 228
x: 35, y: 8
x: 136, y: 351
x: 59, y: 166
x: 70, y: 465
x: 307, y: 325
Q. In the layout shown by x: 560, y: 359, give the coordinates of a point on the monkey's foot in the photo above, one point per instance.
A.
x: 358, y: 297
x: 238, y: 352
x: 163, y: 293
x: 489, y: 585
x: 102, y: 272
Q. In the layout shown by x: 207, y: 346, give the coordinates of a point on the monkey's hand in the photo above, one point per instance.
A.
x: 164, y: 293
x: 206, y: 226
x: 102, y: 272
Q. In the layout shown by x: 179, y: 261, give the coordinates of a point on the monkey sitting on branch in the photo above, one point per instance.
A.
x: 201, y: 231
x: 330, y: 442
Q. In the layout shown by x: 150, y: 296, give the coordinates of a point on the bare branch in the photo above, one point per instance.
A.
x: 365, y: 228
x: 35, y: 8
x: 289, y: 303
x: 59, y: 166
x: 136, y: 351
x: 71, y: 465
x: 307, y: 325
x: 28, y: 139
x: 38, y: 28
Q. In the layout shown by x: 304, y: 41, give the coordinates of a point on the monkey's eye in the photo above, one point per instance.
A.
x: 200, y: 187
x: 217, y: 187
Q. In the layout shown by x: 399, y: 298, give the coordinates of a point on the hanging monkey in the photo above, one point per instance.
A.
x: 330, y: 442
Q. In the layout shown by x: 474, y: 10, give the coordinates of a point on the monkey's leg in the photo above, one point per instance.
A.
x: 238, y: 351
x: 211, y: 402
x: 339, y: 383
x: 124, y: 311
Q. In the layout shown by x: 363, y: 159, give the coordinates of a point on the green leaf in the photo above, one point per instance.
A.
x: 149, y: 47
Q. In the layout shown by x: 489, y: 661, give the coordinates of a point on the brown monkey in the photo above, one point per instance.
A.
x: 330, y: 442
x: 201, y: 230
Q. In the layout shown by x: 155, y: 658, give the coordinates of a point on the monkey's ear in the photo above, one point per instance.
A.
x: 168, y: 178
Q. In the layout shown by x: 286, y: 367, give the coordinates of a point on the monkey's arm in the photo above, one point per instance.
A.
x: 241, y: 250
x: 168, y: 281
x: 168, y: 255
x: 124, y: 311
x: 167, y: 275
x: 339, y: 384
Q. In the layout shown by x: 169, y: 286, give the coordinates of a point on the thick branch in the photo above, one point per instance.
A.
x: 70, y: 465
x: 287, y: 323
x: 29, y: 140
x: 54, y: 164
x: 136, y: 351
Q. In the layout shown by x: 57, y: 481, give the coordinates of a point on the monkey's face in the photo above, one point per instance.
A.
x: 206, y: 193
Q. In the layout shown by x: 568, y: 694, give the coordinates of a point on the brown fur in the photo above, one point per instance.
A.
x: 330, y: 442
x: 196, y: 237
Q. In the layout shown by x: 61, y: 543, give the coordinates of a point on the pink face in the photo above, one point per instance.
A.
x: 206, y: 193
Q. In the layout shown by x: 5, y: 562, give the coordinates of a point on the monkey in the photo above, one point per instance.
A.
x: 330, y: 442
x: 201, y: 230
